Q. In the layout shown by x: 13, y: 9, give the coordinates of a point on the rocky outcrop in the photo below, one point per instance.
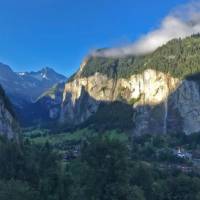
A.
x: 8, y: 124
x: 186, y: 100
x: 179, y: 112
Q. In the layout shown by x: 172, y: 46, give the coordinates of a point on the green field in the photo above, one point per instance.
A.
x: 41, y: 136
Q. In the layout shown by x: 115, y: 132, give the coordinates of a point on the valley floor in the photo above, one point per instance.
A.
x: 90, y: 165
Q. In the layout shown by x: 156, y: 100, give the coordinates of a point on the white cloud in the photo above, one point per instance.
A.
x: 180, y: 23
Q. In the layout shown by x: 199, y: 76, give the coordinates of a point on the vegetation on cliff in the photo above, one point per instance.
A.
x: 179, y: 58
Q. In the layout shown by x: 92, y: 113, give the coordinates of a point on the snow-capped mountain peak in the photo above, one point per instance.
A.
x: 28, y: 85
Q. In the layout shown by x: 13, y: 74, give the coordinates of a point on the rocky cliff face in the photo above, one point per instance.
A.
x: 8, y: 124
x: 162, y: 103
x: 162, y: 88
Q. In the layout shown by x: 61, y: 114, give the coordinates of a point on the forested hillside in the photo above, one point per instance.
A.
x: 179, y: 58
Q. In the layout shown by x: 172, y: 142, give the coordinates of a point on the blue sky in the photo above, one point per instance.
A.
x: 59, y: 33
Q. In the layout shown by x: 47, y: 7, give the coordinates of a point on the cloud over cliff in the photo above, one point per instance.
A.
x: 180, y: 23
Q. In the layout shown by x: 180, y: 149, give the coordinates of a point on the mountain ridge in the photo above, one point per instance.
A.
x: 19, y: 84
x: 24, y: 88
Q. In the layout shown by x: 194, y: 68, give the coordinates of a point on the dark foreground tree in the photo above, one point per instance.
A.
x: 104, y: 173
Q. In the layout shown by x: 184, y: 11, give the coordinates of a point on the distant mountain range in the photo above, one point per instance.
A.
x: 27, y: 86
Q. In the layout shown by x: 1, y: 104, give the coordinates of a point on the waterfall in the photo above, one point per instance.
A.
x: 165, y: 116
